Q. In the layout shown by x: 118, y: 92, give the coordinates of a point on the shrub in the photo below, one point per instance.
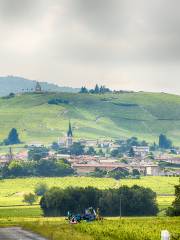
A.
x: 30, y: 198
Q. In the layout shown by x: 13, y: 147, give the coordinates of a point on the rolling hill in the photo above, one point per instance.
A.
x: 44, y: 117
x: 18, y: 84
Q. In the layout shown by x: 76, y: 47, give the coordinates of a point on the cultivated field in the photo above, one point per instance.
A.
x: 144, y: 115
x: 12, y: 191
x: 109, y: 229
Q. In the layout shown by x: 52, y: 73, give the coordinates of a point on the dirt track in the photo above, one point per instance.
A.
x: 16, y: 233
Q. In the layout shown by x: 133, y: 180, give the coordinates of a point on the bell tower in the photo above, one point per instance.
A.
x: 69, y: 140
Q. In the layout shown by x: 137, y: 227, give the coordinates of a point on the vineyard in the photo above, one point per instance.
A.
x: 108, y: 229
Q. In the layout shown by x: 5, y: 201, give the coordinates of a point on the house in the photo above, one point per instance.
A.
x: 82, y: 169
x: 140, y: 151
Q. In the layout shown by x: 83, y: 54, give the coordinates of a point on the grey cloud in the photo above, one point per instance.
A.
x: 96, y: 38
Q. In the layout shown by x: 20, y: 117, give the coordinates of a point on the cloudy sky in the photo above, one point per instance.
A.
x: 124, y: 44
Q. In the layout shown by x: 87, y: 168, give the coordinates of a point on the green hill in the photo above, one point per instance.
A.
x: 15, y: 84
x: 144, y: 115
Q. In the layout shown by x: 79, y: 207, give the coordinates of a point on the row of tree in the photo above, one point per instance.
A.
x: 43, y: 167
x: 130, y: 201
x: 96, y: 90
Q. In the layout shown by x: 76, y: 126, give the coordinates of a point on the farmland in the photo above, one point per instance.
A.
x: 108, y: 116
x: 12, y: 191
x: 109, y: 229
x: 30, y: 217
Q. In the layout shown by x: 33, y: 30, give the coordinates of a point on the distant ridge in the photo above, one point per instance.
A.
x: 16, y: 84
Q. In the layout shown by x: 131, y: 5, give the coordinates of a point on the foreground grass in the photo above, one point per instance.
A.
x: 21, y: 211
x: 146, y: 228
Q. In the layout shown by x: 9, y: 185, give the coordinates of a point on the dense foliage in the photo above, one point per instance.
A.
x: 125, y: 146
x: 97, y: 90
x: 135, y: 201
x: 174, y: 210
x: 164, y: 142
x: 58, y: 101
x: 77, y: 149
x: 37, y: 153
x: 43, y: 167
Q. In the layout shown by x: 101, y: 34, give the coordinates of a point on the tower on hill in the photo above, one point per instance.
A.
x: 38, y: 87
x: 69, y: 141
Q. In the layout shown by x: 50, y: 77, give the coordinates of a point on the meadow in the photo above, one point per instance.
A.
x: 148, y: 228
x: 107, y: 116
x: 12, y: 191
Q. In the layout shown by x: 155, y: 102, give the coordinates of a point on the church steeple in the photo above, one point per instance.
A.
x: 69, y: 132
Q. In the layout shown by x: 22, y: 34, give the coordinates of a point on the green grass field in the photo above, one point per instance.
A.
x: 31, y: 217
x: 12, y: 191
x: 144, y: 115
x: 109, y: 229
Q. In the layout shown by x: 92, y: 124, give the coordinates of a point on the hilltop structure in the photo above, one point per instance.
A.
x: 38, y: 88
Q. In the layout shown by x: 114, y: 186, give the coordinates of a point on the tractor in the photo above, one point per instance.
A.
x: 88, y: 216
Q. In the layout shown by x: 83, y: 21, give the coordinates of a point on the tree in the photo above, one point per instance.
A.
x: 77, y: 149
x: 30, y: 198
x: 131, y: 152
x: 83, y: 90
x: 41, y: 189
x: 52, y: 167
x: 37, y: 153
x: 99, y: 173
x: 164, y: 142
x: 174, y: 210
x: 136, y: 201
x: 118, y: 173
x: 135, y: 172
x: 96, y: 89
x: 91, y: 151
x: 55, y: 146
x: 13, y: 137
x: 116, y: 153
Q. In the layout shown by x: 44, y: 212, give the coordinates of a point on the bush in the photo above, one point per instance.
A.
x: 58, y: 101
x: 30, y: 198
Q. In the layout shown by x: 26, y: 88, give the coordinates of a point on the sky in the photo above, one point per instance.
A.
x: 123, y: 44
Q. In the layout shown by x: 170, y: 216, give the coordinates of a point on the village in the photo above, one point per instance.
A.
x: 102, y: 155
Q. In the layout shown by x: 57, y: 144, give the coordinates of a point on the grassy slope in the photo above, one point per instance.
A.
x: 92, y: 116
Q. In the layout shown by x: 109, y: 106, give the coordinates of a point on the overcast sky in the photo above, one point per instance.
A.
x: 124, y: 44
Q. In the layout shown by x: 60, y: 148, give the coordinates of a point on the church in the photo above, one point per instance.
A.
x: 67, y: 141
x: 69, y: 138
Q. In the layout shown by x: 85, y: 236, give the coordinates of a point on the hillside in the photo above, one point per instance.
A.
x: 18, y: 84
x: 144, y: 115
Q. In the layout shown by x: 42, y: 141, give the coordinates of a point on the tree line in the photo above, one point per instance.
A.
x: 96, y: 90
x: 131, y: 201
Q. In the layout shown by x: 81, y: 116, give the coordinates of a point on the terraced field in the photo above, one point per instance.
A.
x: 117, y: 116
